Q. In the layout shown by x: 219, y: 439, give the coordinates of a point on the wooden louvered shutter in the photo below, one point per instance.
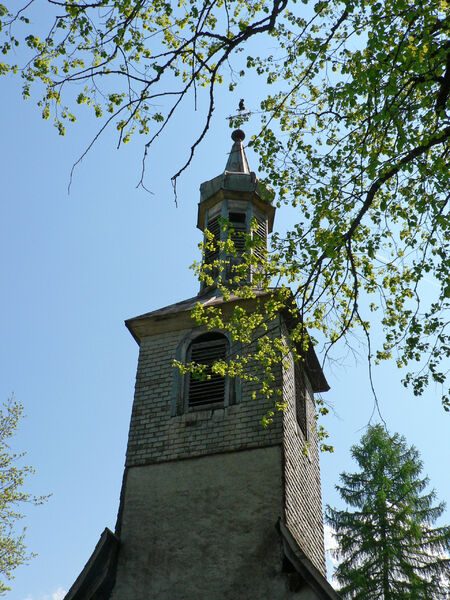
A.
x: 205, y: 350
x: 214, y: 228
x: 300, y: 399
x: 261, y: 234
x: 238, y: 224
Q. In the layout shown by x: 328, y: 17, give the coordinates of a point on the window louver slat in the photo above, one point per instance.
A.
x: 206, y: 357
x: 261, y: 227
x: 207, y: 349
x: 206, y: 392
x: 238, y: 236
x: 214, y: 228
x: 261, y: 233
x: 238, y: 225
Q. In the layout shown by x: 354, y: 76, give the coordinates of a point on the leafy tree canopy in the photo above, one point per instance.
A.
x: 13, y: 551
x: 354, y: 131
x: 387, y: 544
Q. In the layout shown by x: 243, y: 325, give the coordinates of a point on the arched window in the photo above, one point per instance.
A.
x: 205, y: 350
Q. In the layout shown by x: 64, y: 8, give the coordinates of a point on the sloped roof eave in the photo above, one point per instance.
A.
x: 97, y: 578
x: 304, y: 567
x: 181, y: 310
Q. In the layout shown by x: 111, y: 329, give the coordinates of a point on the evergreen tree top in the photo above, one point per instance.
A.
x: 387, y: 545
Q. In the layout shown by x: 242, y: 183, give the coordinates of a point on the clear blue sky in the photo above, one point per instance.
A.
x: 72, y: 268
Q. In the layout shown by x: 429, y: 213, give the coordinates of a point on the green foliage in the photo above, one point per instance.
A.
x: 13, y: 551
x: 387, y: 545
x: 354, y: 133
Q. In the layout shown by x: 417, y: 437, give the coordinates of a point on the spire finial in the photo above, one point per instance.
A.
x: 238, y: 135
x: 237, y: 161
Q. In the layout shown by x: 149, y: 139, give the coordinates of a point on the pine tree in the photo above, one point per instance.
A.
x: 388, y: 547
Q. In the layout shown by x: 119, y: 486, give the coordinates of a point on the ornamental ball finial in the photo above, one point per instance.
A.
x: 238, y: 135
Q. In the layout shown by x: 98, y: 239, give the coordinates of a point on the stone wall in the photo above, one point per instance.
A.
x: 203, y: 529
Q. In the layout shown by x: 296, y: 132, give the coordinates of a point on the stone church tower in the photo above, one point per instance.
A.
x: 214, y: 506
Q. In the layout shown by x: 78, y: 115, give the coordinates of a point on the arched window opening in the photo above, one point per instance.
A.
x: 205, y: 350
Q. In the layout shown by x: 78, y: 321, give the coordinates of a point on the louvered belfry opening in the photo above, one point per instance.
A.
x: 212, y: 254
x: 260, y: 233
x: 237, y: 232
x: 205, y: 350
x: 238, y: 229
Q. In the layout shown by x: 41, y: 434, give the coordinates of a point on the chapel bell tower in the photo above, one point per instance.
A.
x: 214, y: 506
x: 239, y: 199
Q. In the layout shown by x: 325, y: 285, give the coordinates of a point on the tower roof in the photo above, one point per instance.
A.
x: 178, y: 316
x: 237, y: 160
x: 236, y: 181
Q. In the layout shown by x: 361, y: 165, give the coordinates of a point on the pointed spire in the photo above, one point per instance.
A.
x: 237, y: 161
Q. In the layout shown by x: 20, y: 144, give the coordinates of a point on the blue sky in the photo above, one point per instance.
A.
x: 73, y: 268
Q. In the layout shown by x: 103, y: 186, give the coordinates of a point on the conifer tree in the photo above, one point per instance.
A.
x: 387, y: 545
